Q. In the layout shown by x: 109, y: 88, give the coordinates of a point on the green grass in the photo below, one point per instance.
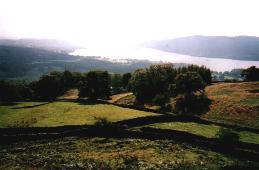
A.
x: 209, y: 131
x: 249, y: 137
x: 62, y: 113
x: 108, y: 153
x: 199, y: 129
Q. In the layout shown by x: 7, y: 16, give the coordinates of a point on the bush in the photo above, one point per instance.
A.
x: 102, y: 121
x: 13, y: 91
x: 48, y: 87
x: 227, y: 136
x: 191, y: 104
x: 160, y: 99
x: 96, y: 85
x: 230, y: 80
x: 251, y: 74
x: 147, y: 83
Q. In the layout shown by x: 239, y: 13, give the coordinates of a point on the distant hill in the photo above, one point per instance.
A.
x: 239, y: 48
x: 31, y: 63
x: 47, y: 44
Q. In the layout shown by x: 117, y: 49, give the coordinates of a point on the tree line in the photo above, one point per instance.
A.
x: 93, y: 84
x: 251, y: 74
x: 156, y: 85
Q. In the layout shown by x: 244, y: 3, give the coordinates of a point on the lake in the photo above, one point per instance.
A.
x: 118, y: 54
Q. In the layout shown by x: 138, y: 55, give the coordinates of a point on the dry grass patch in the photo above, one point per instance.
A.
x: 235, y: 103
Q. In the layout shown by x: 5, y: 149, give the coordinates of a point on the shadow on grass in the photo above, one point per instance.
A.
x: 8, y: 103
x: 254, y: 91
x: 135, y: 122
x: 89, y: 102
x: 27, y: 107
x: 239, y: 150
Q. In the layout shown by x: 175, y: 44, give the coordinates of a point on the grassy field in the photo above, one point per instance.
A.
x: 107, y: 153
x: 208, y: 131
x: 38, y: 114
x: 232, y: 103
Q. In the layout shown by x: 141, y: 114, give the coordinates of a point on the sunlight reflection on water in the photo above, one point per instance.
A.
x: 216, y: 64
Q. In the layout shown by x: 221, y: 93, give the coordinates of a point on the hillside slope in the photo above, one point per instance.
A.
x: 236, y: 103
x: 231, y: 103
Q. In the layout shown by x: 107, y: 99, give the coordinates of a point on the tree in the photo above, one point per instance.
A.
x: 185, y: 88
x: 116, y: 83
x: 139, y: 84
x: 251, y: 74
x: 188, y: 83
x: 161, y: 99
x: 9, y: 92
x: 48, y: 87
x: 204, y: 72
x: 146, y: 84
x: 70, y: 79
x: 125, y: 80
x: 67, y: 79
x: 96, y: 85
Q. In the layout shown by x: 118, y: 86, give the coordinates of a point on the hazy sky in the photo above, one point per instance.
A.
x: 126, y: 21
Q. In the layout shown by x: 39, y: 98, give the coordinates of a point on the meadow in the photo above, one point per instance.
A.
x: 50, y: 114
x: 149, y: 141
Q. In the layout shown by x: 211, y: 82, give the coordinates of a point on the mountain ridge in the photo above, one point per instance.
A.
x: 238, y: 47
x: 54, y: 45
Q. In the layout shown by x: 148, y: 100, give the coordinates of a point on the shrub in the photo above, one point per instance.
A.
x: 102, y: 121
x: 230, y: 80
x: 227, y: 136
x: 160, y: 99
x: 147, y: 83
x: 191, y: 104
x: 96, y: 85
x: 125, y: 80
x: 13, y: 91
x: 251, y: 74
x: 48, y: 87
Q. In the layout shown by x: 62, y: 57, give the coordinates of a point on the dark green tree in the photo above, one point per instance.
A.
x: 70, y: 79
x: 96, y: 85
x: 146, y: 84
x: 9, y: 92
x: 139, y: 84
x: 185, y: 88
x: 251, y: 74
x: 204, y: 72
x: 188, y: 83
x: 116, y: 83
x: 125, y: 80
x: 48, y: 87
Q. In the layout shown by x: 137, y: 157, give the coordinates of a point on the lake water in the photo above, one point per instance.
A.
x: 118, y: 54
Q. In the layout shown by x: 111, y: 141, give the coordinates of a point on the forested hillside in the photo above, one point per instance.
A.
x: 31, y: 63
x: 47, y: 44
x: 239, y: 48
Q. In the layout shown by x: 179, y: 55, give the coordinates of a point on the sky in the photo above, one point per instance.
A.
x: 115, y: 22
